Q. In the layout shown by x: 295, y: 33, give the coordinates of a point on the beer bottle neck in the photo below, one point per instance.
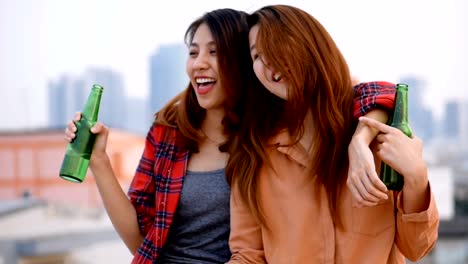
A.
x: 91, y: 108
x: 400, y: 115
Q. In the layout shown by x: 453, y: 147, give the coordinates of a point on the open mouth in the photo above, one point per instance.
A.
x: 205, y: 84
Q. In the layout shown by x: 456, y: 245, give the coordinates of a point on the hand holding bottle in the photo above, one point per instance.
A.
x: 101, y: 131
x: 402, y: 153
x: 78, y: 153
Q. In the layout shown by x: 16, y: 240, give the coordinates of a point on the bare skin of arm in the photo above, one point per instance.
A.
x: 119, y: 208
x: 363, y: 180
x: 404, y: 154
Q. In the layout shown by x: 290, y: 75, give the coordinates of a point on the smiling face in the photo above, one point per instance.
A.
x: 202, y: 69
x: 271, y: 79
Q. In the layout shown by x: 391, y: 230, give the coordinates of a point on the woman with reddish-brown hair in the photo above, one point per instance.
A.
x: 292, y: 200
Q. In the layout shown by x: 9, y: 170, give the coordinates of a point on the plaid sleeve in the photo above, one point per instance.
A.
x: 142, y: 188
x: 369, y: 96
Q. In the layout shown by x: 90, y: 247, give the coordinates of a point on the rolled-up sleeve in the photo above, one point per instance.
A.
x: 369, y: 96
x: 417, y: 233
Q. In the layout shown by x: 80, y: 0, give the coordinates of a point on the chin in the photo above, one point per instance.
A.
x: 211, y: 106
x: 205, y: 105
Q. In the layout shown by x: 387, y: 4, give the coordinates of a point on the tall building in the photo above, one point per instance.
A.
x: 456, y: 124
x: 464, y: 126
x: 113, y: 103
x: 68, y: 95
x: 167, y: 74
x: 65, y: 98
x: 138, y: 117
x: 452, y: 120
x: 420, y: 117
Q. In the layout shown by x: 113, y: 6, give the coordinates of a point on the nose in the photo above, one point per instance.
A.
x: 201, y: 62
x: 264, y: 61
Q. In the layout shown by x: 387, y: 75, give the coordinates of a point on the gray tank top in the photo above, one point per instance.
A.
x: 200, y: 230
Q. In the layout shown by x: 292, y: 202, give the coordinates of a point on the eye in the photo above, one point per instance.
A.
x: 193, y: 53
x: 254, y: 55
x: 213, y: 52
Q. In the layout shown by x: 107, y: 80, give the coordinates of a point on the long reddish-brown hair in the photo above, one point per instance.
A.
x: 297, y: 45
x: 230, y: 31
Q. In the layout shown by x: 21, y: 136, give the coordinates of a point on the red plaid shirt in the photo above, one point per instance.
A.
x: 156, y: 187
x: 373, y: 95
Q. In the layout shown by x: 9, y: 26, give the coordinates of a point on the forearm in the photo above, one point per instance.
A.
x: 416, y: 196
x: 119, y: 208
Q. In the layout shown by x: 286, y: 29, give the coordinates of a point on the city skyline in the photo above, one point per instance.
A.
x: 69, y: 93
x: 43, y: 40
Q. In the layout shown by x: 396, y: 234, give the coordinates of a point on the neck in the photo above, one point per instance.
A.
x: 212, y: 126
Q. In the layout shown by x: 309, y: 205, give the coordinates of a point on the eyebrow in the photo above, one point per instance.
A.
x: 195, y: 44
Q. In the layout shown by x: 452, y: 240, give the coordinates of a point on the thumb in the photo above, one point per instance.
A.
x: 97, y: 128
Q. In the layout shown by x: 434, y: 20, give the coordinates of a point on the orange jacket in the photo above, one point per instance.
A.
x: 301, y: 229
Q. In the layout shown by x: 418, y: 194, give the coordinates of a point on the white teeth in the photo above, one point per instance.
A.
x: 204, y: 80
x: 277, y: 77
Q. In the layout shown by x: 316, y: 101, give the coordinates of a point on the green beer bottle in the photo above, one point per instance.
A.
x: 76, y: 161
x: 391, y: 178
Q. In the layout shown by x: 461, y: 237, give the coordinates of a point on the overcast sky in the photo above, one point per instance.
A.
x: 40, y: 40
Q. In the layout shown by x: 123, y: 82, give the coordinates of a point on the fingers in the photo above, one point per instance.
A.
x: 376, y: 190
x: 98, y: 128
x: 70, y: 131
x: 77, y: 116
x: 359, y: 201
x: 380, y: 188
x: 367, y: 190
x: 376, y: 124
x: 71, y: 128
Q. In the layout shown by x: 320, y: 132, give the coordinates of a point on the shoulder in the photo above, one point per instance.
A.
x: 380, y: 86
x: 373, y: 95
x: 163, y: 132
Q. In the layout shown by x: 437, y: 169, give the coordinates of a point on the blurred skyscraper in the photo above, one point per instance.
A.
x: 464, y: 127
x: 113, y: 102
x: 420, y: 117
x: 452, y: 119
x: 167, y: 74
x: 448, y: 145
x: 455, y: 124
x: 68, y: 95
x: 138, y: 119
x: 64, y: 98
